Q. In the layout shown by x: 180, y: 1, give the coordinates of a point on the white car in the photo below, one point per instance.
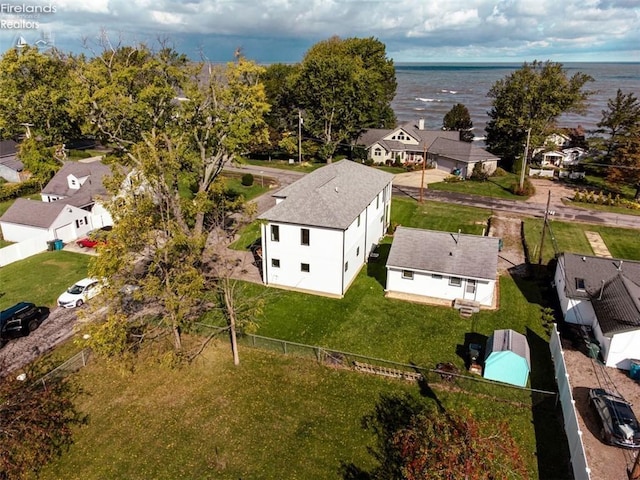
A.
x: 79, y: 293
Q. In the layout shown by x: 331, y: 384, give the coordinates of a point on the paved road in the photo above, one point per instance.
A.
x: 560, y: 212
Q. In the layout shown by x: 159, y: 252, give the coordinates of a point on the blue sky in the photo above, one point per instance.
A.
x: 283, y: 30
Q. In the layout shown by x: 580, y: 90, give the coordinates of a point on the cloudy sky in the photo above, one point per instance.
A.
x: 283, y: 30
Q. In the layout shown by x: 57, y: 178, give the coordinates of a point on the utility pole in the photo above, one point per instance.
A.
x: 524, y: 160
x: 299, y: 136
x: 424, y: 166
x: 544, y: 228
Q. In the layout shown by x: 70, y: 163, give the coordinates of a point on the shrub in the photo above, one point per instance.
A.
x: 247, y: 180
x: 500, y: 172
x: 15, y: 190
x: 527, y: 188
x: 453, y: 179
x: 479, y: 173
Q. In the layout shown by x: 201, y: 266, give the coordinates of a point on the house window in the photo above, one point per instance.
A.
x: 358, y: 252
x: 275, y: 233
x: 455, y: 281
x: 304, y: 267
x: 77, y: 223
x: 471, y: 287
x: 377, y: 201
x: 377, y: 152
x: 275, y: 262
x: 346, y: 266
x: 358, y: 220
x: 304, y: 236
x: 435, y: 276
x: 580, y: 284
x: 407, y: 274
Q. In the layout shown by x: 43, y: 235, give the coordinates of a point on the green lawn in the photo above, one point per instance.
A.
x: 439, y: 216
x: 41, y: 278
x: 496, y: 187
x: 570, y: 237
x: 271, y: 417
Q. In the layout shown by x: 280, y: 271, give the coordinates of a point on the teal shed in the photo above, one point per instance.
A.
x: 507, y: 358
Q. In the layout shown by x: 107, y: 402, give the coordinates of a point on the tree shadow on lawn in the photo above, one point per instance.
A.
x: 552, y: 448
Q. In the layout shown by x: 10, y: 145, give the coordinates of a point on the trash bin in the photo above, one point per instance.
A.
x: 58, y: 244
x: 51, y: 245
x: 634, y: 370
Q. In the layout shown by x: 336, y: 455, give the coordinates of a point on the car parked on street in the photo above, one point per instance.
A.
x: 94, y: 238
x: 79, y: 293
x: 619, y: 425
x: 20, y: 320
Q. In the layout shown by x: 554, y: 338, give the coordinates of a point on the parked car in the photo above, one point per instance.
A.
x: 79, y: 293
x: 94, y: 238
x: 619, y: 425
x: 21, y: 319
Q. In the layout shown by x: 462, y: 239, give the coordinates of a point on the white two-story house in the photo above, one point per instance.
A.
x: 324, y: 226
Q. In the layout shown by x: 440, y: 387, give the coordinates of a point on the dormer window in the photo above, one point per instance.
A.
x: 580, y: 284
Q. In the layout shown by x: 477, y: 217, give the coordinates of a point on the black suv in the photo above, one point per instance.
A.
x: 20, y: 320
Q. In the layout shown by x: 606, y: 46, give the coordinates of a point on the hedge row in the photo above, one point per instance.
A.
x: 15, y: 190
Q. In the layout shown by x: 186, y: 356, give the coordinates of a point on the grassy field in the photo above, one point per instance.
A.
x: 496, y: 187
x: 282, y: 417
x: 42, y: 278
x: 570, y: 237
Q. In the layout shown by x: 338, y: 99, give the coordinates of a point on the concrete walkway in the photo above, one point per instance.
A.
x: 597, y: 244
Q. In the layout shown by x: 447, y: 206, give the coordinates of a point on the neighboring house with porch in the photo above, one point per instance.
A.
x: 70, y: 207
x: 603, y: 294
x: 11, y: 168
x: 434, y: 266
x: 410, y: 143
x: 560, y: 158
x: 324, y: 226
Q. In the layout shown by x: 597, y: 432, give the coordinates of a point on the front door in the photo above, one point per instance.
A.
x: 470, y: 290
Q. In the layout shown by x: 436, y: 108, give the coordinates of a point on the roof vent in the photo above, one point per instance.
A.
x: 620, y: 266
x: 584, y: 259
x: 336, y: 189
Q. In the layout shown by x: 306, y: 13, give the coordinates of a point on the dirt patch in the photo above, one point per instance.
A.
x: 511, y: 259
x: 558, y: 190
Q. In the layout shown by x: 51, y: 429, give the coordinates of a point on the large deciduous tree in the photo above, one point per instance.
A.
x: 343, y: 87
x: 416, y: 441
x: 35, y: 95
x: 458, y: 119
x: 621, y: 121
x: 531, y: 99
x: 175, y: 124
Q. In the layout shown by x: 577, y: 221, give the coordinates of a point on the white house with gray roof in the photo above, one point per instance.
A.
x: 604, y: 294
x: 324, y: 226
x: 410, y: 143
x: 432, y: 266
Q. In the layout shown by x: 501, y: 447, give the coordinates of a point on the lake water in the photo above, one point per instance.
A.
x: 430, y: 90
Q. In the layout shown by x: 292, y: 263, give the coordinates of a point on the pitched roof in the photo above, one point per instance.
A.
x: 459, y: 150
x: 8, y: 158
x: 617, y: 305
x: 425, y: 137
x: 331, y: 196
x: 595, y: 271
x: 92, y: 188
x: 32, y: 212
x: 456, y: 254
x: 509, y: 340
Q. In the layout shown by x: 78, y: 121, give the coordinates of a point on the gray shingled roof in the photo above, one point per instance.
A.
x: 32, y: 213
x: 617, y: 305
x: 594, y: 271
x: 425, y: 137
x: 331, y: 196
x: 470, y: 256
x: 462, y: 151
x: 508, y: 340
x: 8, y: 158
x: 92, y: 188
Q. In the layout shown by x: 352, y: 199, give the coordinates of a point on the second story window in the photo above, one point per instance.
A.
x: 304, y: 236
x: 275, y: 233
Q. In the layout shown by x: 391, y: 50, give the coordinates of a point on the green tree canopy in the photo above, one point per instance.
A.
x: 458, y: 119
x: 176, y: 125
x: 532, y: 97
x: 343, y: 87
x: 35, y: 95
x: 619, y: 119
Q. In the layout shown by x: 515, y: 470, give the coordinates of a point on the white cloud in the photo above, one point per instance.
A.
x: 414, y: 28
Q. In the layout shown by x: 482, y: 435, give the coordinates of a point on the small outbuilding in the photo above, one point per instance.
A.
x: 507, y: 358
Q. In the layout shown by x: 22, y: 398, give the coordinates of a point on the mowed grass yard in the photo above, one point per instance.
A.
x: 284, y: 417
x: 570, y: 237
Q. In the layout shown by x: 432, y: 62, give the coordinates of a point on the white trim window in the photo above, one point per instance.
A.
x: 455, y: 281
x: 407, y: 274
